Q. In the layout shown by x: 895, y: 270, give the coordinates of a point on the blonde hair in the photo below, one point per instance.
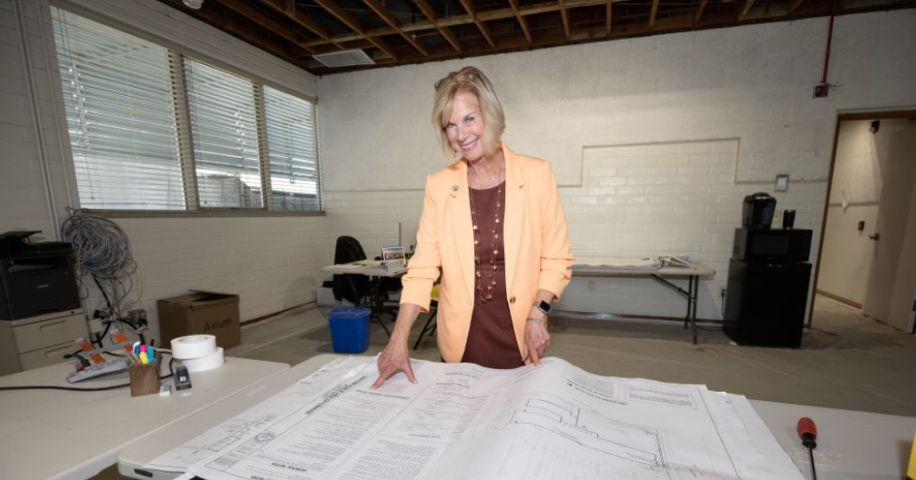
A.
x: 469, y: 80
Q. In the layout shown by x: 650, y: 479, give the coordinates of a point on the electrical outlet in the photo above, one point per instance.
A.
x: 821, y: 91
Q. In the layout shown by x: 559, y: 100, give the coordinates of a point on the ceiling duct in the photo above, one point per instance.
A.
x: 346, y: 58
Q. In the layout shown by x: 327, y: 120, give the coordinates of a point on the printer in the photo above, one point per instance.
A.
x: 35, y: 278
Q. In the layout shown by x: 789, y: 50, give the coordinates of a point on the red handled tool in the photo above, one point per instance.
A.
x: 807, y: 431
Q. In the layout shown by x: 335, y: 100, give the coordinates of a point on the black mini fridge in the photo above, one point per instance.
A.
x: 767, y: 294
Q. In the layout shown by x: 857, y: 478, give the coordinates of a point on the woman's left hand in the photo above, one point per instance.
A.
x: 536, y: 337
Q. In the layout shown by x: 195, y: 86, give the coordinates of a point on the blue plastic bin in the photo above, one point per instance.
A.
x: 349, y: 329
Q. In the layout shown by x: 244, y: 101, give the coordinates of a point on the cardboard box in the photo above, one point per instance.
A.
x: 199, y: 313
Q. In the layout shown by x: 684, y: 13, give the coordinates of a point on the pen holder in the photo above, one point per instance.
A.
x: 144, y: 379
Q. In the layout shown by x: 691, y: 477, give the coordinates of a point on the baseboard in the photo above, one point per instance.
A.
x: 281, y: 312
x: 839, y: 299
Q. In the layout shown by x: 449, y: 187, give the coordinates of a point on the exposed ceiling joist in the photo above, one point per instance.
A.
x: 456, y: 20
x: 383, y: 12
x: 350, y: 22
x: 296, y: 29
x: 484, y: 29
x: 434, y: 23
x: 699, y: 11
x: 275, y: 26
x: 745, y: 9
x: 302, y: 20
x: 609, y: 12
x: 565, y: 15
x: 521, y: 20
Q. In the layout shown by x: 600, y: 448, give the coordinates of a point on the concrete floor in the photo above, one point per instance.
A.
x: 846, y: 361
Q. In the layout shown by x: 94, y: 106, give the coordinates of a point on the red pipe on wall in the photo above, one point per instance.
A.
x: 829, y: 41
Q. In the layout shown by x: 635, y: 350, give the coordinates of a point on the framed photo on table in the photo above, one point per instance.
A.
x: 394, y: 258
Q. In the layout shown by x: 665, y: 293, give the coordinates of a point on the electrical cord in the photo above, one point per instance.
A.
x: 89, y: 389
x: 102, y: 252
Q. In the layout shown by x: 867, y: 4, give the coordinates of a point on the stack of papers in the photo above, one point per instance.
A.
x: 463, y: 421
x: 619, y: 264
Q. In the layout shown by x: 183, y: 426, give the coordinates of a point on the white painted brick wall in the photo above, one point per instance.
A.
x: 658, y: 95
x: 273, y: 263
x: 691, y: 210
x: 695, y: 218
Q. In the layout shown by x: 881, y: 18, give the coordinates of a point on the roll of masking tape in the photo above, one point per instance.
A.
x: 193, y: 346
x: 209, y: 362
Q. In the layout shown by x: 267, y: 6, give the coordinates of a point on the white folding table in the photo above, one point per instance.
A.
x: 52, y: 434
x: 594, y: 267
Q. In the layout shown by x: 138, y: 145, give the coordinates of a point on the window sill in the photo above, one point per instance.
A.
x: 198, y: 213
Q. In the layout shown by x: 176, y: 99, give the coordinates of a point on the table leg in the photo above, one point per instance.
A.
x: 694, y: 294
x: 378, y: 302
x: 689, y: 301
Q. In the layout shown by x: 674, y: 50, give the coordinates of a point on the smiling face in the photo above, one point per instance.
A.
x: 466, y: 128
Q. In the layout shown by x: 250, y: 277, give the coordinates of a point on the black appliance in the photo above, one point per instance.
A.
x: 775, y: 246
x: 35, y: 278
x: 758, y: 212
x: 768, y: 282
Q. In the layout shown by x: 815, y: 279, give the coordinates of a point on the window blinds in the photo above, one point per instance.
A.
x: 121, y: 117
x: 292, y: 146
x: 224, y: 129
x: 151, y: 129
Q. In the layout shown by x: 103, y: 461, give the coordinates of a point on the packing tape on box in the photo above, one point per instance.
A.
x: 193, y: 346
x: 209, y: 362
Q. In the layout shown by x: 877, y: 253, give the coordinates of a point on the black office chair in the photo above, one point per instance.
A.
x: 353, y: 288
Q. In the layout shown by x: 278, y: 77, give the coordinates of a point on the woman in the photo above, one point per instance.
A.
x: 492, y: 221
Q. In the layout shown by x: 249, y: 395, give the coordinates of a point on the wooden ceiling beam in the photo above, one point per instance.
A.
x: 302, y: 20
x: 653, y: 13
x: 489, y: 15
x: 521, y: 20
x: 339, y: 13
x: 609, y: 13
x: 699, y: 12
x: 745, y: 9
x: 434, y: 23
x: 565, y: 15
x: 793, y: 6
x: 265, y: 21
x: 484, y: 30
x: 224, y: 22
x: 392, y: 22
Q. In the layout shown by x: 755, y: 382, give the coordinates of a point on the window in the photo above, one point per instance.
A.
x: 151, y: 129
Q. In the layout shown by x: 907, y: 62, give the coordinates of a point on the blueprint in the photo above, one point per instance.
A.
x: 463, y: 421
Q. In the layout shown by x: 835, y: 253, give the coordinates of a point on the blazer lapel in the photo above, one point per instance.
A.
x: 514, y: 216
x: 462, y: 226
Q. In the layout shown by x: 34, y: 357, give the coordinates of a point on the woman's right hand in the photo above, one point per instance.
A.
x: 393, y: 359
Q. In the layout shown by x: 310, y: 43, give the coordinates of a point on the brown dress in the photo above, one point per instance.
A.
x: 491, y: 341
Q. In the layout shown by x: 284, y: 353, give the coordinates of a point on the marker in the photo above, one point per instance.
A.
x: 144, y: 358
x: 152, y: 353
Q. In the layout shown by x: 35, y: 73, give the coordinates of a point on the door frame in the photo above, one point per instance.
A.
x: 843, y: 117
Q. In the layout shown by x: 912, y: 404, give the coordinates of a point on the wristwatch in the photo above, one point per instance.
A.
x: 543, y: 306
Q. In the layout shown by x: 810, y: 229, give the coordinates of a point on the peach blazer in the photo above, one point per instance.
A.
x: 536, y: 246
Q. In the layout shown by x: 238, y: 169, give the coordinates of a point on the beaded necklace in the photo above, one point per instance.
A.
x: 486, y: 295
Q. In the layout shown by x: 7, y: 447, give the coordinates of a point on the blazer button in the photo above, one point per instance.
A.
x: 512, y: 300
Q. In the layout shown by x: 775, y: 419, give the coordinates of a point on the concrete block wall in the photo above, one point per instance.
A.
x: 752, y: 83
x: 33, y: 170
x: 639, y: 201
x: 634, y: 201
x: 272, y: 262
